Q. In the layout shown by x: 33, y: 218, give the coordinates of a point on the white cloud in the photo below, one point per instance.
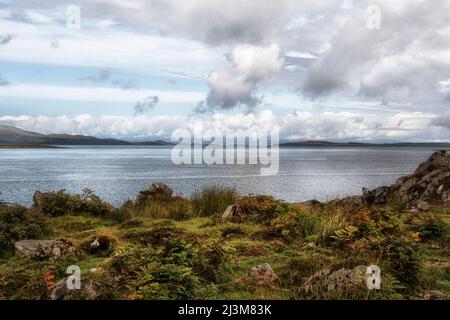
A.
x: 99, y: 94
x: 250, y: 67
x: 300, y: 125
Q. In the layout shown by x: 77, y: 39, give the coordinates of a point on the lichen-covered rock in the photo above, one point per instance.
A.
x: 263, y: 276
x: 430, y: 183
x: 340, y: 283
x: 44, y: 249
x: 89, y: 289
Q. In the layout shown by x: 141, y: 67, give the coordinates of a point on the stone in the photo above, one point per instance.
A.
x: 434, y: 295
x: 263, y: 276
x: 229, y: 212
x: 44, y: 249
x: 343, y: 281
x: 89, y: 289
x: 423, y: 206
x: 427, y: 184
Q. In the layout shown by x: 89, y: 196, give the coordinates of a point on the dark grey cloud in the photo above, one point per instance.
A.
x: 7, y: 38
x: 3, y: 82
x: 145, y: 105
x: 102, y: 77
x: 442, y: 120
x: 106, y: 76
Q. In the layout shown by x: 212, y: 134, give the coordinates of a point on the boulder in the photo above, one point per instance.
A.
x: 60, y: 290
x: 229, y: 212
x: 434, y: 295
x: 44, y: 249
x: 430, y: 183
x: 156, y: 190
x: 343, y: 282
x: 423, y: 206
x: 263, y: 276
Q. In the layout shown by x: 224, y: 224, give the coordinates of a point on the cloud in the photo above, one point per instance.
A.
x: 404, y: 60
x: 442, y: 120
x: 348, y: 126
x: 250, y: 67
x: 102, y: 77
x: 98, y: 94
x: 147, y: 104
x: 7, y: 38
x: 3, y: 82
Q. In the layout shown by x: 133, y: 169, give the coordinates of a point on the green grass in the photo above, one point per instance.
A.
x: 179, y: 248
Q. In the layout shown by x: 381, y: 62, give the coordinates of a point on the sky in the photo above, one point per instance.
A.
x: 340, y: 70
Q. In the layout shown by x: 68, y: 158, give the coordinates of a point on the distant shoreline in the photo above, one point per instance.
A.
x: 28, y: 146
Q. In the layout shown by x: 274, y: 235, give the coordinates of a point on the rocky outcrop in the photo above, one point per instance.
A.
x: 263, y: 276
x: 430, y: 183
x: 340, y: 283
x: 44, y: 249
x: 156, y: 190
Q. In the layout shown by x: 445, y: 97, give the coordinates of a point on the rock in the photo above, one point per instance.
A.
x: 44, y: 249
x: 263, y: 276
x: 445, y: 196
x: 440, y: 189
x: 156, y: 190
x: 423, y: 206
x: 434, y: 295
x: 60, y: 290
x: 429, y: 183
x: 344, y: 282
x: 229, y: 212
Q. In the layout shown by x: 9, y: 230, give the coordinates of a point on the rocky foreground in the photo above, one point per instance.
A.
x: 219, y: 245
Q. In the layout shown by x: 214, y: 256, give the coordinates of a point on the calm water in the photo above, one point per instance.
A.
x: 118, y: 173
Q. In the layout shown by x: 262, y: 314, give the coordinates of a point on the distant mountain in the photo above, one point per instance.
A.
x: 299, y: 144
x: 13, y: 135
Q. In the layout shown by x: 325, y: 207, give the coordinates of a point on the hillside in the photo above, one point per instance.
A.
x: 15, y: 136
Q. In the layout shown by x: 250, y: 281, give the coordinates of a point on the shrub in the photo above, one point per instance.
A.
x: 16, y: 223
x: 259, y: 209
x: 213, y: 200
x: 176, y: 270
x: 180, y: 209
x: 404, y: 261
x: 61, y: 203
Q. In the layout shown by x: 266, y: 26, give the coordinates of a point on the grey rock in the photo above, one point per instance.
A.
x: 263, y: 276
x: 43, y: 249
x: 342, y: 281
x: 423, y: 206
x: 426, y: 184
x: 229, y: 212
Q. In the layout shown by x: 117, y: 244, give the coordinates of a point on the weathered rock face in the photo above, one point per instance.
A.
x: 430, y: 183
x: 263, y: 276
x: 343, y: 282
x: 156, y: 190
x: 44, y: 249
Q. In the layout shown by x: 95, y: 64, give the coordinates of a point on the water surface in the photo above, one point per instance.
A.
x: 119, y: 173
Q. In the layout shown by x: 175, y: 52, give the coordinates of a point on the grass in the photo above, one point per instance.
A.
x: 178, y: 248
